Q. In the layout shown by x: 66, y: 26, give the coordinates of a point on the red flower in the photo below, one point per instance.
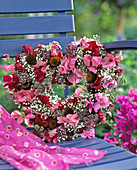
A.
x: 36, y: 133
x: 60, y: 55
x: 74, y: 101
x: 45, y: 100
x: 92, y: 47
x: 39, y: 120
x: 19, y: 65
x: 97, y: 84
x: 11, y: 81
x: 39, y: 76
x: 17, y: 57
x: 27, y: 49
x: 53, y: 81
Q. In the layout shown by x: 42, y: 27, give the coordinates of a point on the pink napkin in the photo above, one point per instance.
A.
x: 24, y: 150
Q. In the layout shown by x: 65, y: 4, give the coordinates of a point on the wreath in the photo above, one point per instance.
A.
x: 34, y: 72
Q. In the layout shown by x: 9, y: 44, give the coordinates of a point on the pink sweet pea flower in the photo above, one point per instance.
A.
x: 62, y: 119
x: 17, y: 115
x: 77, y: 92
x: 24, y: 95
x: 88, y: 134
x: 108, y: 61
x: 53, y: 133
x: 92, y: 62
x: 68, y: 64
x: 53, y: 52
x: 75, y: 76
x: 87, y: 60
x: 27, y: 120
x: 10, y: 67
x: 96, y: 61
x: 111, y: 84
x: 90, y: 104
x: 42, y: 66
x: 102, y: 101
x: 73, y: 119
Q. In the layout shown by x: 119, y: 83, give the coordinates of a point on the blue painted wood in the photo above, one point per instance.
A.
x: 66, y: 92
x: 14, y: 47
x: 36, y: 25
x: 121, y: 45
x: 23, y: 6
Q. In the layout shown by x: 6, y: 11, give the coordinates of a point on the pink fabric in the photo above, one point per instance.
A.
x: 23, y: 150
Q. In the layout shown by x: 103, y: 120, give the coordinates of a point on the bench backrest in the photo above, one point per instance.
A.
x: 58, y: 23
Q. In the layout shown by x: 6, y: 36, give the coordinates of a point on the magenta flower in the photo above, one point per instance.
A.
x: 126, y: 121
x: 88, y: 134
x: 4, y: 67
x: 90, y: 103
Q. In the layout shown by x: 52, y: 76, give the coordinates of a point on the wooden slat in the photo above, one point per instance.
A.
x: 36, y: 25
x: 7, y: 167
x: 27, y: 6
x: 121, y: 45
x: 127, y: 164
x: 14, y: 47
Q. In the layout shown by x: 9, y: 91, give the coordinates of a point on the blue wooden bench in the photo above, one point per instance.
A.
x: 116, y: 157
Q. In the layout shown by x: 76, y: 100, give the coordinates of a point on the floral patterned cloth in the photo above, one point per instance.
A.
x: 24, y: 150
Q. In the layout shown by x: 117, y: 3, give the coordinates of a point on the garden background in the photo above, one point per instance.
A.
x: 111, y: 20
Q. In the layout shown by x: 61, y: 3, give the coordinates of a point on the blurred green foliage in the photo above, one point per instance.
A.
x: 97, y: 17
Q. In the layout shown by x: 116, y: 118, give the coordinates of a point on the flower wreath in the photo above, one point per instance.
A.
x: 36, y: 69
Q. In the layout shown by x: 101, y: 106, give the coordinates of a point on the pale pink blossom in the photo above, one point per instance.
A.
x: 111, y: 84
x: 68, y: 64
x: 24, y: 95
x: 53, y: 52
x: 10, y: 67
x: 53, y: 133
x: 73, y: 119
x: 62, y: 119
x: 96, y: 61
x: 75, y: 76
x: 108, y: 61
x: 17, y: 115
x: 84, y: 41
x: 102, y: 101
x: 77, y: 92
x: 92, y: 62
x: 87, y: 60
x: 88, y: 134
